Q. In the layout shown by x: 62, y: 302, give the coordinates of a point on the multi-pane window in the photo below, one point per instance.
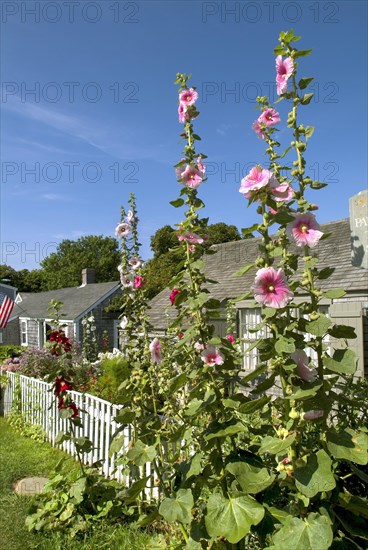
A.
x: 23, y: 333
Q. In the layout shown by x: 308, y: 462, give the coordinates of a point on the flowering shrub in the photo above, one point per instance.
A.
x: 37, y: 362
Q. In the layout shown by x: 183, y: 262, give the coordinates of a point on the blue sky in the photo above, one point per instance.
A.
x: 89, y: 110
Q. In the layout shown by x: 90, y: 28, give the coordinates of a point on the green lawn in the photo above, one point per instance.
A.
x: 22, y: 457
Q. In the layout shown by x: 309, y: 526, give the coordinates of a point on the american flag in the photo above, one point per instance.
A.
x: 6, y: 307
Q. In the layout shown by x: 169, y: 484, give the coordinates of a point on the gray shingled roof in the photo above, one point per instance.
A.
x: 76, y: 300
x: 334, y: 252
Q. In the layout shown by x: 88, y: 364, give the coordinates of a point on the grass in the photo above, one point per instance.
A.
x: 21, y: 457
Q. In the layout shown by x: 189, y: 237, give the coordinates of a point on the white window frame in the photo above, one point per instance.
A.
x: 23, y: 322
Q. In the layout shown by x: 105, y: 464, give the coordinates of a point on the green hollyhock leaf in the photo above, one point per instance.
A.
x: 342, y: 331
x: 193, y: 406
x: 301, y: 53
x: 306, y: 99
x: 276, y: 446
x: 131, y: 494
x: 304, y: 82
x: 178, y: 382
x: 296, y: 534
x: 309, y: 131
x: 61, y: 437
x: 334, y: 293
x: 178, y: 508
x: 232, y: 517
x: 250, y: 478
x: 284, y: 345
x: 177, y: 203
x: 125, y: 416
x: 141, y: 453
x: 116, y: 444
x: 304, y: 393
x: 316, y: 476
x: 343, y: 361
x: 77, y: 490
x: 318, y: 184
x: 348, y: 445
x: 244, y: 270
x: 319, y: 326
x: 254, y: 405
x: 223, y: 430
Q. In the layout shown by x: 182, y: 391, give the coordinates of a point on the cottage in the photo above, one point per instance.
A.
x: 335, y: 252
x: 30, y: 321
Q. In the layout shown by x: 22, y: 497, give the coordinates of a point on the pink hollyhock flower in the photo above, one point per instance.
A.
x: 180, y: 169
x: 155, y: 350
x: 198, y: 346
x: 191, y: 177
x: 201, y: 166
x: 138, y: 281
x: 313, y: 414
x: 281, y: 191
x: 191, y: 238
x: 122, y: 230
x: 304, y: 230
x: 173, y: 295
x: 231, y: 338
x: 135, y: 263
x: 129, y: 216
x: 271, y: 288
x: 303, y: 370
x: 188, y: 96
x: 258, y: 130
x: 284, y: 70
x: 183, y: 114
x: 123, y: 322
x: 269, y: 117
x: 257, y: 178
x: 212, y: 356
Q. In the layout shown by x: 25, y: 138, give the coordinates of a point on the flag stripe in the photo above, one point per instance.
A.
x: 6, y: 308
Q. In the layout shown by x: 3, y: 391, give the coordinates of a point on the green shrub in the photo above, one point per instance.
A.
x: 9, y: 351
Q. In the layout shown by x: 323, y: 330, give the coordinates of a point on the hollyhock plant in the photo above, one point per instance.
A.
x: 281, y: 191
x: 269, y: 117
x: 303, y: 370
x: 313, y: 414
x: 155, y: 350
x: 191, y: 238
x: 304, y: 230
x: 122, y: 230
x: 271, y: 288
x: 138, y: 281
x: 188, y: 97
x: 191, y: 177
x: 258, y: 129
x: 173, y: 295
x: 212, y: 356
x: 257, y: 178
x: 284, y: 70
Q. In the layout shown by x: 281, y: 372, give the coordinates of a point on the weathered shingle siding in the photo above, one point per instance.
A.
x: 11, y: 334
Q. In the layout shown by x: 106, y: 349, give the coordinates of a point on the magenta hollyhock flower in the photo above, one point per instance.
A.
x: 258, y: 129
x: 303, y: 370
x: 269, y: 117
x: 257, y: 178
x: 183, y: 113
x: 284, y: 70
x: 155, y: 350
x: 231, y: 338
x: 188, y: 97
x: 281, y: 191
x: 212, y: 356
x: 313, y: 414
x: 122, y: 230
x: 191, y: 177
x: 305, y: 230
x: 138, y: 281
x: 271, y: 288
x: 191, y: 238
x: 173, y: 295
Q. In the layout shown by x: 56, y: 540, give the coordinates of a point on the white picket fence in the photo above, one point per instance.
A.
x: 39, y: 406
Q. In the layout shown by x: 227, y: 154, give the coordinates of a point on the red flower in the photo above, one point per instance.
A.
x: 173, y: 295
x: 231, y: 338
x: 180, y: 335
x: 75, y: 410
x: 61, y: 385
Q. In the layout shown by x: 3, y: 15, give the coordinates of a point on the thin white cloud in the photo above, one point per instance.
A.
x: 75, y: 234
x: 53, y: 197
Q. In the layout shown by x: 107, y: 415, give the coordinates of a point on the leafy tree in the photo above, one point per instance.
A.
x: 63, y: 268
x: 164, y: 239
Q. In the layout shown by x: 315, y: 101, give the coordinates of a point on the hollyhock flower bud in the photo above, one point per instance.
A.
x: 304, y: 230
x: 271, y: 288
x: 313, y: 414
x: 231, y: 338
x: 173, y: 295
x: 303, y: 370
x: 155, y: 350
x: 212, y: 356
x: 122, y: 230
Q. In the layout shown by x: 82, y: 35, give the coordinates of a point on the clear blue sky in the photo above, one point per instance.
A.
x: 104, y: 108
